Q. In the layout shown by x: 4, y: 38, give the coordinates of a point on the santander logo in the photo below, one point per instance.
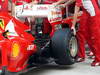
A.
x: 42, y: 8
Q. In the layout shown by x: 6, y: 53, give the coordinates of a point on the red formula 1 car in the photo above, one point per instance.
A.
x: 20, y: 50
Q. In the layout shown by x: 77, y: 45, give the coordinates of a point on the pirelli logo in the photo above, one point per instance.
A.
x: 2, y: 23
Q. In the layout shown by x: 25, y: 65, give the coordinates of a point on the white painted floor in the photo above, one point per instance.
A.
x: 82, y: 68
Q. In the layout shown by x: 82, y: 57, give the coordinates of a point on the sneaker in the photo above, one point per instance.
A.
x: 94, y: 63
x: 90, y: 53
x: 91, y: 57
x: 80, y: 59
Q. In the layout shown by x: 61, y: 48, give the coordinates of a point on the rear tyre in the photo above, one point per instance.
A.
x: 64, y: 47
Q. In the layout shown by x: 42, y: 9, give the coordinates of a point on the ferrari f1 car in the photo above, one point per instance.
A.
x: 20, y: 50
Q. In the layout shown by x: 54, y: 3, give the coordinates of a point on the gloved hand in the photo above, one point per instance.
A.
x: 73, y: 30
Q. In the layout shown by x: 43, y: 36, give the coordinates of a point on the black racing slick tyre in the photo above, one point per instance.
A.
x: 64, y: 47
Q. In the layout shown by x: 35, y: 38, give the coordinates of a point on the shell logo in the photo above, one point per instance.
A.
x: 15, y: 49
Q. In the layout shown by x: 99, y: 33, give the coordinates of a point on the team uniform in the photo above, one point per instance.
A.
x: 82, y: 33
x: 89, y: 29
x: 4, y: 6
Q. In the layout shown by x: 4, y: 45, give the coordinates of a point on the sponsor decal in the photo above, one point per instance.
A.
x: 2, y: 23
x: 42, y: 8
x: 15, y: 49
x: 30, y: 47
x: 55, y: 13
x: 27, y: 8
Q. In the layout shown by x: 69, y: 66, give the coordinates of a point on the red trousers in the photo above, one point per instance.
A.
x: 4, y: 6
x: 92, y: 31
x: 83, y: 34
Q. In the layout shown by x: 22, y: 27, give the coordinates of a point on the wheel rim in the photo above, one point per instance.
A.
x: 73, y: 46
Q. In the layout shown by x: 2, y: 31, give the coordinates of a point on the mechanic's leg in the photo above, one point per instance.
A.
x: 46, y: 26
x: 90, y: 45
x: 31, y: 23
x: 95, y: 38
x: 39, y: 26
x: 95, y: 32
x: 81, y: 42
x: 89, y: 42
x: 27, y: 22
x: 81, y: 35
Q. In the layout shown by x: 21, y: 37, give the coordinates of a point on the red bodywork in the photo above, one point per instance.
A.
x: 67, y: 21
x: 15, y: 46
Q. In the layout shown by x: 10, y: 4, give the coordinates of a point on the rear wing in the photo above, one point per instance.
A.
x: 53, y: 13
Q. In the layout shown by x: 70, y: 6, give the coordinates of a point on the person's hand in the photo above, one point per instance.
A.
x: 80, y: 13
x: 3, y: 0
x: 73, y: 30
x: 55, y: 4
x: 63, y: 5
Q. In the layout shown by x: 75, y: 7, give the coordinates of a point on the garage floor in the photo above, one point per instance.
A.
x: 82, y: 68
